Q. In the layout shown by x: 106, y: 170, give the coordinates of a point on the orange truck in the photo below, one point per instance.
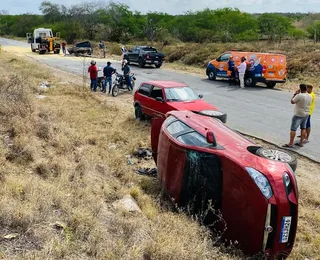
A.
x: 268, y: 68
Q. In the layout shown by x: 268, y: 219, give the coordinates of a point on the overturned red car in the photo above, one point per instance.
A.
x: 156, y: 98
x: 202, y: 162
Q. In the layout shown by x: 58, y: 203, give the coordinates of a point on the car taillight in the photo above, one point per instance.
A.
x: 264, y: 69
x: 148, y: 56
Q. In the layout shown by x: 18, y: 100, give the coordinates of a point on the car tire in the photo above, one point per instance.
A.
x: 271, y: 84
x: 141, y: 63
x: 278, y: 155
x: 115, y: 90
x: 138, y: 113
x: 212, y: 75
x: 41, y: 52
x: 158, y: 66
x: 249, y: 82
x: 215, y: 114
x: 33, y: 50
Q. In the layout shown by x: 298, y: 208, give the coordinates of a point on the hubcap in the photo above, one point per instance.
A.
x: 276, y: 155
x: 211, y: 74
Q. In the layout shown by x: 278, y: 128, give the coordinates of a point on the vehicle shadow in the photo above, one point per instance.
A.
x: 223, y: 83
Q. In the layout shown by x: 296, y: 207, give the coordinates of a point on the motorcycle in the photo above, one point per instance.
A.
x: 120, y: 83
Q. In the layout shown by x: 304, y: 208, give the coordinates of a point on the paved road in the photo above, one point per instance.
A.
x: 258, y: 111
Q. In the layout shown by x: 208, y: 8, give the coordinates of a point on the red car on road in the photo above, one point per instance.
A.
x: 202, y: 162
x: 156, y: 98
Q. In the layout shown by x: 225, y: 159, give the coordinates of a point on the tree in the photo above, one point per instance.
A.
x: 50, y: 11
x: 274, y: 25
x: 314, y: 31
x: 151, y: 29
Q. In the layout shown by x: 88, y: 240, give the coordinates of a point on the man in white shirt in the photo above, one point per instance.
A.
x: 242, y: 70
x: 302, y: 100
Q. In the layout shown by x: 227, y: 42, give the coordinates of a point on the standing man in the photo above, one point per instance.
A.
x: 101, y: 48
x: 107, y: 73
x: 123, y: 51
x: 63, y: 45
x: 126, y: 74
x: 242, y: 70
x: 302, y: 101
x: 308, y: 130
x: 93, y: 70
x: 231, y: 68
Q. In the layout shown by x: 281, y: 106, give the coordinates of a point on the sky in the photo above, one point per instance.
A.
x: 179, y: 6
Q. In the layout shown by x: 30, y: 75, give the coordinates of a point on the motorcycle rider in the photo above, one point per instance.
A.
x: 126, y: 74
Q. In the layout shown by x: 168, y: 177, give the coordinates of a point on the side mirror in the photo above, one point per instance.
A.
x: 160, y: 99
x: 200, y: 96
x: 211, y: 138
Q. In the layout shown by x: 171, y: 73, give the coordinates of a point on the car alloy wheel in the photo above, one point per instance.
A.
x: 277, y: 155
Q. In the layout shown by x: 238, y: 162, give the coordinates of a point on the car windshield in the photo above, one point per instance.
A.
x: 180, y: 94
x: 150, y: 49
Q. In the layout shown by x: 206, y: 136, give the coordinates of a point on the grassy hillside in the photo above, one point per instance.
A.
x: 63, y: 163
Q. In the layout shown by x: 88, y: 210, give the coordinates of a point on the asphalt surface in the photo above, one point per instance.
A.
x: 257, y: 111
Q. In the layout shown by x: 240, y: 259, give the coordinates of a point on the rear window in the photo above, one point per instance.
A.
x: 193, y: 138
x: 177, y: 127
x: 150, y: 49
x: 145, y: 89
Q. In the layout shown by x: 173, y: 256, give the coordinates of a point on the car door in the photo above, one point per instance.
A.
x: 130, y: 54
x: 135, y: 54
x: 143, y: 99
x: 222, y: 66
x: 157, y: 104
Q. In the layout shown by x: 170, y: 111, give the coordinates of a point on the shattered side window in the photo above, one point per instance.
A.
x: 193, y: 138
x: 177, y: 127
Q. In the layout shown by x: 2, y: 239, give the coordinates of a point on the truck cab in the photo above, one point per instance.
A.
x: 38, y: 36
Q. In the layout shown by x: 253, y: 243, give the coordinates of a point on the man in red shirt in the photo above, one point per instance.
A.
x: 93, y: 70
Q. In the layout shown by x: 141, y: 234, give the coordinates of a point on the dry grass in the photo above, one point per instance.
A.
x: 63, y: 163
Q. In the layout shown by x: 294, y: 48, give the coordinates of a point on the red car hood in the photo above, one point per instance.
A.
x: 196, y: 105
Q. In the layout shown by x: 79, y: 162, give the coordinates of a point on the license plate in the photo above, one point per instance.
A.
x: 156, y: 62
x: 285, y: 229
x: 271, y: 73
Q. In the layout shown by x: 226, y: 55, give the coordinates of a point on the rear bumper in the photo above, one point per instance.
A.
x: 153, y: 62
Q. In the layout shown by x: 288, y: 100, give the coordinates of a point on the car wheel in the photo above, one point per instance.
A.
x: 115, y: 90
x: 212, y: 75
x: 158, y: 66
x: 141, y: 64
x: 215, y: 114
x: 277, y: 155
x: 138, y: 113
x: 271, y: 84
x: 33, y: 50
x: 249, y: 82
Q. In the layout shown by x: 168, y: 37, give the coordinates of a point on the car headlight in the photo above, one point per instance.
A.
x: 286, y: 179
x: 261, y: 181
x: 211, y: 113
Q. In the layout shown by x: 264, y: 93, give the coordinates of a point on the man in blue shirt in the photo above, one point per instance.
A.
x: 107, y: 73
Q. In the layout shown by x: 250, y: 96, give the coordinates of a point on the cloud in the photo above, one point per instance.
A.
x: 180, y: 6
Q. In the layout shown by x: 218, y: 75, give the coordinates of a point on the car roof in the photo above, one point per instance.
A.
x: 166, y: 84
x: 256, y: 52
